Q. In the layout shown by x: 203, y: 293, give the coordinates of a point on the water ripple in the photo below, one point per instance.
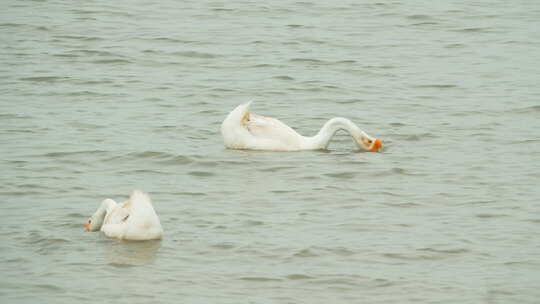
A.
x: 47, y: 79
x: 194, y: 54
x: 260, y: 279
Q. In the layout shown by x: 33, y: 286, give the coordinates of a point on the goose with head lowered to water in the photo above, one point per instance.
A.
x: 134, y: 219
x: 244, y: 130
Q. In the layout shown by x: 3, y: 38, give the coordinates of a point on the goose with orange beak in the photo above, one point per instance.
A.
x: 134, y: 219
x: 247, y: 131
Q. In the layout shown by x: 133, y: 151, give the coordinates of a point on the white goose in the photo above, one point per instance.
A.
x: 244, y: 130
x: 134, y: 219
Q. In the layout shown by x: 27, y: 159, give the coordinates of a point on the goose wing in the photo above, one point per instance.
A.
x: 267, y: 128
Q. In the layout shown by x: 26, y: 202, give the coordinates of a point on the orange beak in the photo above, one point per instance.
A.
x: 87, y: 226
x: 376, y: 146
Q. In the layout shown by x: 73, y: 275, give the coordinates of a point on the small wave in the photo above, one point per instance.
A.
x: 343, y: 281
x: 415, y: 137
x: 382, y: 67
x: 17, y: 162
x: 277, y: 168
x: 95, y: 82
x: 445, y: 251
x: 72, y: 153
x: 187, y: 193
x: 200, y: 173
x: 283, y: 77
x: 436, y: 86
x: 530, y: 109
x: 305, y: 253
x: 34, y: 187
x: 297, y: 276
x: 12, y: 25
x: 342, y: 175
x: 283, y: 191
x: 397, y: 124
x: 478, y: 202
x: 14, y: 116
x: 266, y: 65
x: 22, y: 193
x: 18, y: 260
x: 111, y: 61
x: 172, y: 40
x: 307, y: 61
x: 82, y: 38
x: 86, y: 93
x: 148, y: 154
x: 409, y: 257
x: 96, y: 53
x: 403, y: 205
x: 49, y: 287
x: 21, y: 131
x: 73, y: 225
x: 490, y: 215
x: 46, y: 246
x: 194, y: 54
x: 341, y: 251
x: 348, y: 61
x: 34, y: 27
x: 473, y: 30
x: 350, y: 101
x: 221, y: 9
x: 312, y: 41
x: 50, y: 79
x: 121, y: 265
x: 424, y: 23
x: 399, y: 171
x: 142, y: 171
x: 52, y: 241
x: 454, y: 45
x: 225, y: 245
x: 525, y: 141
x: 253, y: 223
x: 419, y: 17
x: 177, y: 160
x: 63, y: 55
x: 85, y: 12
x: 260, y: 279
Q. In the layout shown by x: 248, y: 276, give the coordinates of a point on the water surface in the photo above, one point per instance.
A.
x: 100, y: 97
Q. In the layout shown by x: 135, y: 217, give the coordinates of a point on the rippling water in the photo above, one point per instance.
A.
x: 101, y: 97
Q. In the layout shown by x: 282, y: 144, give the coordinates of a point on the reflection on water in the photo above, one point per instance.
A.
x: 123, y: 253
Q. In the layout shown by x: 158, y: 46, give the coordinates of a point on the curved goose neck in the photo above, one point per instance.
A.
x: 106, y: 206
x: 104, y: 209
x: 322, y: 139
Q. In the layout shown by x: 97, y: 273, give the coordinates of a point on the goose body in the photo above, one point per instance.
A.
x: 134, y: 219
x: 244, y: 130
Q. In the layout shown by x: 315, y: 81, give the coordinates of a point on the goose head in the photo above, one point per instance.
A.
x: 95, y: 222
x: 369, y: 144
x: 364, y: 141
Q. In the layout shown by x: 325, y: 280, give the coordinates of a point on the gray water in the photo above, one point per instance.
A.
x: 102, y: 97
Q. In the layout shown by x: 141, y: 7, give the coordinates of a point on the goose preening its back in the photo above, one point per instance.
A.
x: 244, y: 130
x: 134, y: 219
